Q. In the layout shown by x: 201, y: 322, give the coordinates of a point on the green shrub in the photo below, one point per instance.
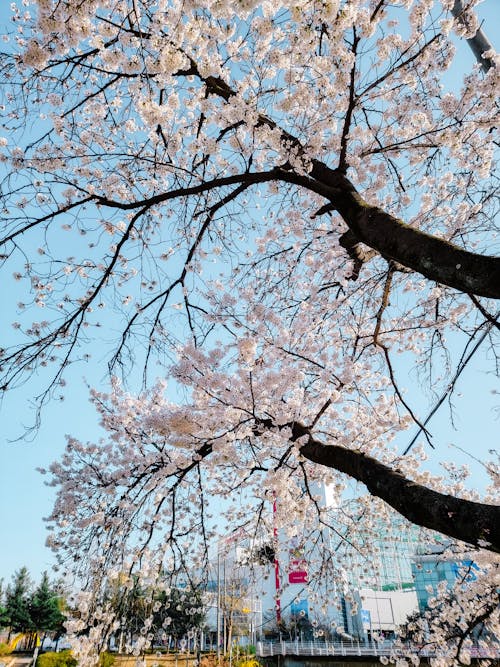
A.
x: 5, y: 649
x: 106, y: 659
x: 61, y: 659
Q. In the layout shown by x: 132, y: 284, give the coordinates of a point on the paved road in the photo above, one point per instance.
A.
x: 23, y: 660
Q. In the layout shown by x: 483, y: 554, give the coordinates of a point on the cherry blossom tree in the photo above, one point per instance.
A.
x: 464, y: 618
x: 265, y: 204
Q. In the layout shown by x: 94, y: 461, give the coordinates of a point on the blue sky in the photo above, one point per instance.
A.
x: 25, y: 500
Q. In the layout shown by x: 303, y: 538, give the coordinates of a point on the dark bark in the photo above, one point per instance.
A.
x: 432, y: 257
x: 477, y: 524
x: 478, y: 43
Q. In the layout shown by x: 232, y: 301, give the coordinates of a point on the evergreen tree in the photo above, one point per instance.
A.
x: 4, y: 619
x: 178, y: 612
x: 45, y: 610
x: 131, y: 605
x: 18, y: 602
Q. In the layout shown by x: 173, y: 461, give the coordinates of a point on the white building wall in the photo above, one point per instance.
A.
x: 386, y: 609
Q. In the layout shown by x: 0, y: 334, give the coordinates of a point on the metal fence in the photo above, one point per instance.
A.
x: 368, y: 649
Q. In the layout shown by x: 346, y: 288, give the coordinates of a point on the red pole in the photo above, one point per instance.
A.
x: 276, y: 568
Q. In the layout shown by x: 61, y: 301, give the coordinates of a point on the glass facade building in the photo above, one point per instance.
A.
x: 430, y: 570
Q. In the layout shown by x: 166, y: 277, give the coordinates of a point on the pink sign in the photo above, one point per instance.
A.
x: 297, y: 574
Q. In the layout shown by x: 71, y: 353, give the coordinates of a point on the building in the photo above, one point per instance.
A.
x: 432, y: 566
x: 377, y: 553
x: 382, y: 612
x: 354, y: 580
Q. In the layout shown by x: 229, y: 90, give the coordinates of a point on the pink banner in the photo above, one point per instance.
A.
x: 298, y: 573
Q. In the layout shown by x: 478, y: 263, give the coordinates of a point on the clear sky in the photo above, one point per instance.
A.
x: 25, y: 500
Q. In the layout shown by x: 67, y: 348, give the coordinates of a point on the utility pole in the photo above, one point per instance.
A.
x: 218, y: 607
x: 276, y: 567
x: 224, y: 608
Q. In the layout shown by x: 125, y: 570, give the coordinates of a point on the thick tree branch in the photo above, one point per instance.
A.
x: 434, y: 258
x: 479, y: 43
x: 248, y: 178
x: 465, y: 520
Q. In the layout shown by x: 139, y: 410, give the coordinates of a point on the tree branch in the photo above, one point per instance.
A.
x: 478, y: 43
x: 432, y: 257
x: 465, y: 520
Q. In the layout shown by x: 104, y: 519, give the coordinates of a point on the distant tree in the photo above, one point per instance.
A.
x: 130, y: 605
x: 46, y: 615
x: 18, y: 602
x: 300, y: 626
x: 4, y: 619
x: 234, y: 598
x: 149, y: 615
x: 32, y: 611
x: 60, y: 590
x: 178, y: 612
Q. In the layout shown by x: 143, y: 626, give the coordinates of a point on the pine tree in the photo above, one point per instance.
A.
x: 46, y: 614
x: 4, y: 619
x: 179, y: 612
x: 18, y: 602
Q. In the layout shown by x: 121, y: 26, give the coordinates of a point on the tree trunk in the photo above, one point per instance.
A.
x: 478, y: 43
x: 474, y: 523
x: 432, y: 257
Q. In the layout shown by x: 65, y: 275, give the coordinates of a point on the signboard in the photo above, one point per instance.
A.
x: 300, y: 607
x: 297, y: 565
x: 465, y: 568
x: 297, y: 573
x: 365, y: 616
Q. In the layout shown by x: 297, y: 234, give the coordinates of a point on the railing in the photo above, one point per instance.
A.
x: 368, y: 649
x: 269, y: 649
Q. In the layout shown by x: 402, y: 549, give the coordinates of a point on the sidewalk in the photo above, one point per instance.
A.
x: 21, y: 660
